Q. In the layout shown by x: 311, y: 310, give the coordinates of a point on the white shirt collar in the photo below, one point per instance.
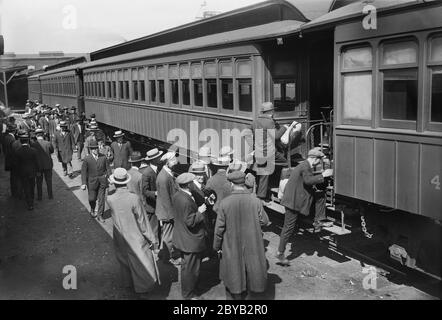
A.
x: 143, y: 165
x: 135, y: 168
x: 154, y: 167
x: 199, y: 185
x: 190, y: 194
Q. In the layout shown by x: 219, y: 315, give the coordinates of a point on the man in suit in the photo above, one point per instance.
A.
x: 134, y: 185
x: 298, y: 197
x: 64, y: 143
x: 122, y: 150
x: 44, y: 124
x: 44, y: 151
x: 266, y: 133
x: 166, y: 188
x: 90, y: 136
x: 10, y: 166
x: 239, y: 241
x: 149, y: 170
x: 189, y: 235
x: 72, y: 115
x: 28, y: 164
x: 94, y: 173
x: 218, y: 182
x: 78, y: 133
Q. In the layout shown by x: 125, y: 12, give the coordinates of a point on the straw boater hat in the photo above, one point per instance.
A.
x: 39, y: 131
x: 267, y: 106
x: 198, y: 167
x: 153, y: 154
x: 118, y: 134
x: 222, y: 161
x: 135, y: 157
x: 92, y: 127
x: 120, y: 176
x: 168, y: 156
x: 63, y: 124
x: 237, y: 165
x: 226, y: 151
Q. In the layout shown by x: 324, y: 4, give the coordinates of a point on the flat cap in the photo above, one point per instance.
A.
x: 237, y: 177
x: 185, y: 178
x: 315, y: 153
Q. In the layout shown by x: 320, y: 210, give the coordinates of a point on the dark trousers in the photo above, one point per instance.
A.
x: 190, y: 271
x: 47, y: 174
x: 166, y: 240
x: 28, y: 184
x: 97, y: 191
x: 80, y: 146
x: 15, y: 183
x: 290, y: 218
x: 65, y: 166
x: 263, y: 180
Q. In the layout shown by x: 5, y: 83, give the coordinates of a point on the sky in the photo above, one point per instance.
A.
x: 82, y: 26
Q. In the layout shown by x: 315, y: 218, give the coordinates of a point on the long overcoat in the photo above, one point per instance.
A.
x: 132, y: 239
x: 243, y: 264
x: 166, y: 188
x: 65, y: 146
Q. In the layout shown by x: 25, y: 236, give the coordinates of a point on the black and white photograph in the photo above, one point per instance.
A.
x: 246, y: 152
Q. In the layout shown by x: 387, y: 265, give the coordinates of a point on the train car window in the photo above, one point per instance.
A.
x: 399, y: 82
x: 399, y: 53
x: 135, y: 90
x: 109, y: 90
x: 210, y: 70
x: 121, y: 89
x: 126, y: 90
x: 357, y: 85
x: 162, y: 92
x: 198, y: 92
x: 284, y: 94
x: 436, y: 80
x: 174, y: 91
x: 185, y: 87
x: 400, y: 95
x: 103, y: 89
x: 227, y: 93
x: 357, y: 58
x: 212, y: 93
x: 114, y: 89
x: 153, y: 91
x: 245, y: 95
x: 142, y: 91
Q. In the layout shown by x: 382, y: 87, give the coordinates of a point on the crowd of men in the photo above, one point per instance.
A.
x: 213, y: 211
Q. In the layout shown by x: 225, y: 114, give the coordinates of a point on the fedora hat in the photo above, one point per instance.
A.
x: 135, y: 157
x: 168, y: 156
x: 153, y: 154
x: 120, y: 176
x: 92, y: 127
x: 93, y: 144
x: 237, y: 177
x: 198, y: 167
x: 222, y: 161
x: 39, y: 131
x: 118, y: 134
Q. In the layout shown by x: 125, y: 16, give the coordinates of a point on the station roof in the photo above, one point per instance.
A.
x: 354, y: 10
x: 312, y: 9
x: 261, y: 32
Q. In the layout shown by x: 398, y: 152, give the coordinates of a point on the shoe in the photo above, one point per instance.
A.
x: 93, y: 214
x: 282, y: 260
x: 100, y: 219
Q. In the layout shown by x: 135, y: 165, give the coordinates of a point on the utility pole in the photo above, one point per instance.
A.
x: 5, y: 85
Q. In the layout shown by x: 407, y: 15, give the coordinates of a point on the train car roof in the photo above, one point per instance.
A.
x: 354, y: 10
x: 61, y: 70
x: 245, y: 17
x: 261, y: 32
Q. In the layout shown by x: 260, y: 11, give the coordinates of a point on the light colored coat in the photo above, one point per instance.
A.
x: 132, y: 239
x: 238, y: 233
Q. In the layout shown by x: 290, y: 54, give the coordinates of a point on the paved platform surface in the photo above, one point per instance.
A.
x: 36, y: 245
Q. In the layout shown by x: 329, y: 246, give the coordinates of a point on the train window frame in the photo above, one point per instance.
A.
x: 240, y: 78
x: 174, y: 76
x: 432, y: 66
x: 184, y: 75
x: 210, y: 77
x: 161, y: 77
x: 382, y: 69
x: 345, y: 72
x: 196, y: 77
x: 135, y: 87
x: 227, y: 77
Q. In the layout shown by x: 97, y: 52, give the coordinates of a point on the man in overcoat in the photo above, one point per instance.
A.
x: 27, y: 162
x: 166, y: 188
x: 134, y: 185
x: 44, y: 151
x: 189, y: 234
x: 218, y: 182
x: 298, y: 197
x: 78, y: 133
x: 10, y: 166
x: 133, y: 238
x: 122, y: 150
x: 239, y: 241
x: 95, y: 170
x: 64, y: 143
x: 149, y: 170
